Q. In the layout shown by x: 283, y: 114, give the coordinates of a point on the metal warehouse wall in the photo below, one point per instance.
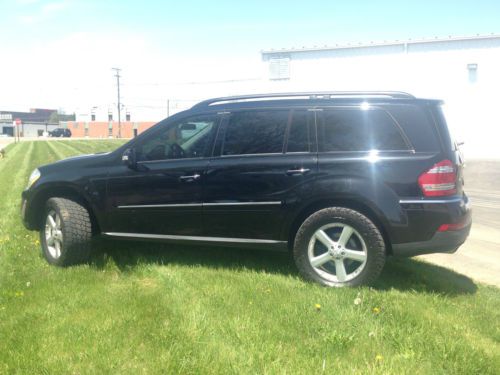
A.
x: 464, y: 73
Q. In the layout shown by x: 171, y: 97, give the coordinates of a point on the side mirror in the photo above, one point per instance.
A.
x: 129, y: 158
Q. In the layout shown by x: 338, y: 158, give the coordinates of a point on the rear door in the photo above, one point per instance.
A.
x: 262, y: 162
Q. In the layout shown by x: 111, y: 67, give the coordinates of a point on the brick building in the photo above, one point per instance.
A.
x: 107, y: 129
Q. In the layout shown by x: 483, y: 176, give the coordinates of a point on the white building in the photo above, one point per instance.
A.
x: 464, y: 72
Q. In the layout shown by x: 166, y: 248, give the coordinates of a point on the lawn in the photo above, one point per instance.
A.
x: 149, y: 308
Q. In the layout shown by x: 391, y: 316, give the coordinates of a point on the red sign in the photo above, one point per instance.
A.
x: 18, y: 121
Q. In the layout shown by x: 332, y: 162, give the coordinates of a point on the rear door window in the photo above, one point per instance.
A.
x: 255, y: 132
x: 301, y: 133
x: 359, y: 130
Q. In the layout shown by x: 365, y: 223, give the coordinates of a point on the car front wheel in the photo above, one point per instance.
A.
x: 339, y: 247
x: 66, y: 232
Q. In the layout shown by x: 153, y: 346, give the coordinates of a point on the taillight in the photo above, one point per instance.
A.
x: 451, y: 227
x: 440, y: 180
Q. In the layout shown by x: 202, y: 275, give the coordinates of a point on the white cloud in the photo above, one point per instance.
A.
x: 27, y: 2
x: 43, y: 11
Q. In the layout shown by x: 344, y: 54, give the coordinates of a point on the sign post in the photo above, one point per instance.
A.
x: 18, y: 123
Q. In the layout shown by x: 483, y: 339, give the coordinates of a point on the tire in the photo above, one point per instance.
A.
x: 67, y: 238
x: 355, y: 259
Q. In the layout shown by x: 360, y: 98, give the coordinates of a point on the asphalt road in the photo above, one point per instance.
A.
x: 479, y: 257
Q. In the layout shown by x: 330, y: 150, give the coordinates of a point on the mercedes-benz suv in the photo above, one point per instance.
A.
x: 340, y: 179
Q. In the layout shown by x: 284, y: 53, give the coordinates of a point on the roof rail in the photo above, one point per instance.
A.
x: 306, y: 95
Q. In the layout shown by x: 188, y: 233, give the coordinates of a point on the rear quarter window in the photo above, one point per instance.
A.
x: 418, y: 127
x: 359, y: 130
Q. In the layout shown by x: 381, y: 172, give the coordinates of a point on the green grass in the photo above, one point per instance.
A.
x: 149, y: 308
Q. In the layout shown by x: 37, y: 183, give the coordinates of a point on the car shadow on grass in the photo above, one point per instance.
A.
x: 408, y: 274
x: 402, y: 274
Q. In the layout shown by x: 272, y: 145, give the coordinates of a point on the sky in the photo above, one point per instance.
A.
x: 59, y: 53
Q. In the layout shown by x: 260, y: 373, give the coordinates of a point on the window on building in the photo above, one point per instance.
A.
x: 472, y: 70
x: 279, y: 68
x: 301, y: 133
x: 358, y: 130
x: 255, y: 132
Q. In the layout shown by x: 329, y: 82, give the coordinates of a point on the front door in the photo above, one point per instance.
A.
x: 163, y: 195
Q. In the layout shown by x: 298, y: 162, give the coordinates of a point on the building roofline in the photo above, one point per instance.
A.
x: 380, y: 44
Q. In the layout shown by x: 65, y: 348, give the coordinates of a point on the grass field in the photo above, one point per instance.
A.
x: 148, y: 308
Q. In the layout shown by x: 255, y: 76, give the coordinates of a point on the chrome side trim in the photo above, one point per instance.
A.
x: 163, y: 205
x: 427, y: 201
x: 271, y: 203
x: 191, y: 238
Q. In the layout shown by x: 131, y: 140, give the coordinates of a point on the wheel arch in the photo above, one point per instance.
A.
x: 37, y: 204
x: 352, y: 203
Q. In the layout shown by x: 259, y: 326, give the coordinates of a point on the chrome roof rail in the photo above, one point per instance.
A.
x: 306, y: 95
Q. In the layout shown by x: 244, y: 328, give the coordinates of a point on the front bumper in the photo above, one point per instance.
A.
x: 25, y: 210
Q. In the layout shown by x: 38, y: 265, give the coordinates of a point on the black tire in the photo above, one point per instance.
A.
x: 364, y: 227
x: 76, y: 229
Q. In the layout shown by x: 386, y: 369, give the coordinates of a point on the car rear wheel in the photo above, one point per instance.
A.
x: 339, y: 247
x: 66, y: 233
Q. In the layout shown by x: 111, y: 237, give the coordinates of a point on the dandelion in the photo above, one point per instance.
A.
x: 317, y: 306
x: 376, y: 310
x: 378, y: 358
x: 19, y: 293
x: 37, y: 242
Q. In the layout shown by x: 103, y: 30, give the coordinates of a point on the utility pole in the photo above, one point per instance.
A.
x: 118, y: 105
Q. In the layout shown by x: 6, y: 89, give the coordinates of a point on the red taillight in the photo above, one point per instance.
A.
x: 440, y: 180
x: 451, y: 227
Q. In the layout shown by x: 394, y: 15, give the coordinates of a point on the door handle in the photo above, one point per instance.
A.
x: 295, y: 172
x: 190, y: 178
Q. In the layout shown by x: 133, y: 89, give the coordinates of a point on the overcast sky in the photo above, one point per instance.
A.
x: 59, y: 54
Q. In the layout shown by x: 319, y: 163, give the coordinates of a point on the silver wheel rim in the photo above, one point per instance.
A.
x: 53, y: 234
x: 337, y: 252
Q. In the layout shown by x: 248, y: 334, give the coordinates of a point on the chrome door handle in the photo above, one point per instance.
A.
x: 190, y: 178
x: 292, y: 172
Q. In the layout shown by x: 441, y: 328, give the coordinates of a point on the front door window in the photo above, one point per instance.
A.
x: 186, y: 139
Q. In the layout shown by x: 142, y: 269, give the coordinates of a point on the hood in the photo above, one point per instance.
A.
x: 79, y: 161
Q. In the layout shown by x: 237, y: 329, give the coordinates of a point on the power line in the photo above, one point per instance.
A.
x: 193, y: 82
x: 117, y: 75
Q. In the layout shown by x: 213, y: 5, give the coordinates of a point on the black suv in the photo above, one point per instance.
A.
x: 341, y: 180
x: 60, y: 132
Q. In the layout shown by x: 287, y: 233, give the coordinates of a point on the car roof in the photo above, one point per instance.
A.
x: 309, y: 99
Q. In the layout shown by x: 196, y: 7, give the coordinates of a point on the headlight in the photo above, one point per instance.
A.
x: 35, y: 175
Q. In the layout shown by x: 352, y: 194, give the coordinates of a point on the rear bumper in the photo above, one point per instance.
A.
x: 441, y: 242
x: 430, y: 217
